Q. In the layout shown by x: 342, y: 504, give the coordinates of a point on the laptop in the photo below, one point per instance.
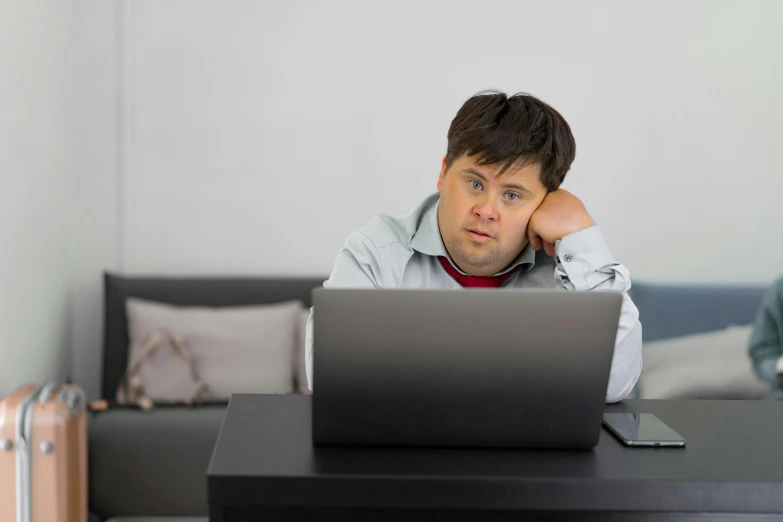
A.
x: 491, y: 368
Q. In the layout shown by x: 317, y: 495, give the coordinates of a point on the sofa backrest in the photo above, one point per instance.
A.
x: 666, y: 310
x: 673, y: 310
x: 185, y: 291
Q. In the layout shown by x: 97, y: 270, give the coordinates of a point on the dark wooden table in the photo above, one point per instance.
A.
x: 264, y: 467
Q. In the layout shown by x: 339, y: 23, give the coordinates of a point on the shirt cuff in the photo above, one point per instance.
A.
x: 580, y: 254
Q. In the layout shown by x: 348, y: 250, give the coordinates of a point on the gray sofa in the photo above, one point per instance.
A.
x: 152, y: 464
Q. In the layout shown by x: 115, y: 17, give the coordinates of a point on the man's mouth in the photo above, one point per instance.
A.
x: 479, y: 234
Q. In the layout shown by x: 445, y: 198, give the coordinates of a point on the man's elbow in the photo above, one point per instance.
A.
x: 613, y: 397
x: 621, y: 386
x: 626, y: 366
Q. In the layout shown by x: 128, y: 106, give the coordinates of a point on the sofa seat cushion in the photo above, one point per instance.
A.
x: 151, y: 463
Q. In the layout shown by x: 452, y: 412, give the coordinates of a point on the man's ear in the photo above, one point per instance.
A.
x: 442, y: 173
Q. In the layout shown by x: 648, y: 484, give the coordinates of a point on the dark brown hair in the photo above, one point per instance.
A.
x: 520, y: 130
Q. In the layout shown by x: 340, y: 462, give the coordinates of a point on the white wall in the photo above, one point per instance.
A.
x: 57, y: 178
x: 96, y: 211
x: 253, y: 137
x: 36, y: 159
x: 260, y: 134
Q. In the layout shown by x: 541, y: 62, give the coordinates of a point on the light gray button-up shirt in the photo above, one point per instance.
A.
x: 401, y: 251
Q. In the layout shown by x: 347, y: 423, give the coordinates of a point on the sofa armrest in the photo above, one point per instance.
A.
x: 151, y: 463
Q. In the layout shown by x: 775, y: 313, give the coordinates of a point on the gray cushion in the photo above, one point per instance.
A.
x: 185, y: 291
x: 235, y: 349
x: 151, y: 463
x: 712, y: 365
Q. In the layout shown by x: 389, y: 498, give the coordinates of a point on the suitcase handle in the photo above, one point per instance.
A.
x: 74, y: 398
x: 46, y: 391
x: 71, y: 396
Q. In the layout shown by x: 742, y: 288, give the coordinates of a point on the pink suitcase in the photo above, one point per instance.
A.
x: 43, y: 455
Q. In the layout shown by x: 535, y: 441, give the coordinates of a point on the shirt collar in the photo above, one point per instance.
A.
x: 428, y: 241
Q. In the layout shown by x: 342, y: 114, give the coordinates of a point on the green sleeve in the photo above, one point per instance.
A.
x: 766, y: 341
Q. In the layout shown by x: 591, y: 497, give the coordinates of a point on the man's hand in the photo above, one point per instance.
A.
x: 561, y: 213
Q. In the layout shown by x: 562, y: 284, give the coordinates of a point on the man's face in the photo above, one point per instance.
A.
x: 483, y: 219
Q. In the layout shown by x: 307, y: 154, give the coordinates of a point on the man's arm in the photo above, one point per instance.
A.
x: 585, y: 263
x: 562, y: 226
x: 766, y: 345
x: 357, y: 266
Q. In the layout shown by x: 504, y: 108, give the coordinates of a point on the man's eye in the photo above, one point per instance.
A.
x: 512, y: 196
x: 476, y: 185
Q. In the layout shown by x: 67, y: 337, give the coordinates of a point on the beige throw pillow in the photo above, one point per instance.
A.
x: 239, y: 349
x: 711, y: 365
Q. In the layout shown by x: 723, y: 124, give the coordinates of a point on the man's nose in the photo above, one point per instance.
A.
x: 485, y: 210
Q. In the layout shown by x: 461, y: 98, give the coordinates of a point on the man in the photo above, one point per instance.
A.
x: 766, y: 340
x: 498, y: 219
